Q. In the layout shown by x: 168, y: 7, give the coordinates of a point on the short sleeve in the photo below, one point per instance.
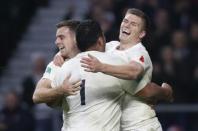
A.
x: 50, y: 71
x: 140, y: 57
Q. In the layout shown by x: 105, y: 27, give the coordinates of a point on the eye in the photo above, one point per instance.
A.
x: 125, y: 21
x: 134, y: 24
x: 61, y: 37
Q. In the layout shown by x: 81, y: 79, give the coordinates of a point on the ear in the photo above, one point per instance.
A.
x: 100, y: 41
x: 142, y: 34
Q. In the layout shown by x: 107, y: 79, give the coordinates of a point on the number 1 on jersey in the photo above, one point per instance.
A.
x: 82, y: 93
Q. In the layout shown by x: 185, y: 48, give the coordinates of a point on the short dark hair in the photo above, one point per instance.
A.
x: 87, y: 34
x: 142, y: 15
x: 71, y: 24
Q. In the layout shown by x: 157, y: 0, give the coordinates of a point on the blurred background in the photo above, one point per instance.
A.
x: 27, y: 35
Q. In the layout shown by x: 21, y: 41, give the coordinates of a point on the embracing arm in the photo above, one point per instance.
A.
x: 44, y: 93
x: 152, y: 92
x: 130, y: 71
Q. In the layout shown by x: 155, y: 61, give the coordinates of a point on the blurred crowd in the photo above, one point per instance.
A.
x: 15, y: 16
x: 172, y: 44
x: 19, y: 113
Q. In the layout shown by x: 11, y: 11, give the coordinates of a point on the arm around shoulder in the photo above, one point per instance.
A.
x: 130, y: 71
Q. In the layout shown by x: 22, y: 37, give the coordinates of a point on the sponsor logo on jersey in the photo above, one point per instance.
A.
x: 48, y: 70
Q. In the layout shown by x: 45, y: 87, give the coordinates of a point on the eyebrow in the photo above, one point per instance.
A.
x: 132, y: 22
x: 60, y: 35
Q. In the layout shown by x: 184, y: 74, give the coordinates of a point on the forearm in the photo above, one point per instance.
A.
x: 44, y: 93
x: 153, y: 91
x: 129, y: 71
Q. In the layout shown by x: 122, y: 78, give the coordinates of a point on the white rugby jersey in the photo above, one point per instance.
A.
x: 50, y: 71
x: 96, y: 107
x: 133, y: 109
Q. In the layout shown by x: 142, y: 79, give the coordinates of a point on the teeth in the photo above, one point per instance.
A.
x: 61, y: 48
x: 125, y: 32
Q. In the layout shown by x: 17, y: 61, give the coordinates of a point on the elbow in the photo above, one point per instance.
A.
x: 135, y: 71
x: 134, y: 75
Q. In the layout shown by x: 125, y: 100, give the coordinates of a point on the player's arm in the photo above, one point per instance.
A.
x: 44, y: 93
x: 128, y: 71
x: 132, y: 70
x: 152, y: 92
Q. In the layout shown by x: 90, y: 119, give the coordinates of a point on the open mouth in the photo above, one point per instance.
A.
x: 125, y: 32
x: 61, y: 48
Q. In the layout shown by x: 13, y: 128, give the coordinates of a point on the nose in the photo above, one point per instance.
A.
x: 127, y: 24
x: 57, y: 41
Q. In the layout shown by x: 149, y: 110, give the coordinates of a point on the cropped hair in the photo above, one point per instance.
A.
x: 87, y: 34
x: 71, y: 24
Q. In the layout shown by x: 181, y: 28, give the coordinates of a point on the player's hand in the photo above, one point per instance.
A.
x: 91, y: 64
x: 70, y: 88
x: 169, y: 92
x: 58, y: 60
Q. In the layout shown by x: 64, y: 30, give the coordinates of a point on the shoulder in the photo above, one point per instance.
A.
x: 138, y: 49
x: 111, y: 44
x: 71, y: 64
x: 51, y: 66
x: 108, y: 58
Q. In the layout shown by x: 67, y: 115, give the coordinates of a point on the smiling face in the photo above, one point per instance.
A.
x: 65, y: 41
x: 131, y: 29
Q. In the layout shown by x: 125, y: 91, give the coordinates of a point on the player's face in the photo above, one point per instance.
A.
x: 131, y: 29
x: 65, y: 41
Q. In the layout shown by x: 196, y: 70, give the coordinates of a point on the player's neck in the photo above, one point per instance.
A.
x: 127, y: 45
x: 74, y: 53
x: 96, y: 47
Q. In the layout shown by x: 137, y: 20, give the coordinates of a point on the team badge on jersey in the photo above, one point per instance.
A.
x: 48, y: 70
x: 141, y: 59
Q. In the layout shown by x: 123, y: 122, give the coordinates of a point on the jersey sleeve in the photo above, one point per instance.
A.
x: 50, y: 71
x: 55, y: 80
x: 142, y: 83
x: 140, y: 57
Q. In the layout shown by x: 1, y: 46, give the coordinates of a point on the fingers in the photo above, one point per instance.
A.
x: 165, y: 84
x: 169, y: 91
x: 73, y: 93
x: 90, y: 56
x: 58, y: 60
x: 76, y: 83
x: 88, y: 68
x: 85, y: 66
x: 85, y: 61
x: 76, y: 89
x: 70, y: 88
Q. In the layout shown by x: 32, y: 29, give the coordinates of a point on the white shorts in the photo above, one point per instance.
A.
x: 148, y: 125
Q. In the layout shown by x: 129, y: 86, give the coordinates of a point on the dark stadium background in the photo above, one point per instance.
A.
x: 27, y: 34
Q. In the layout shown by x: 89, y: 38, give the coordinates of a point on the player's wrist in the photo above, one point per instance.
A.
x: 102, y: 68
x: 59, y: 90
